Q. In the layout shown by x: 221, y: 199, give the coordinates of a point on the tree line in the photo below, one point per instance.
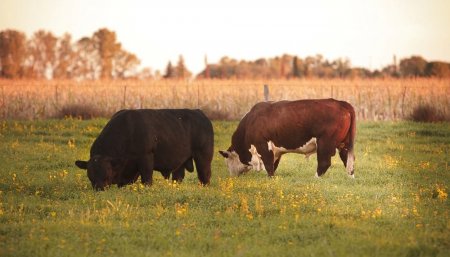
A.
x: 44, y: 55
x: 101, y: 56
x: 288, y: 66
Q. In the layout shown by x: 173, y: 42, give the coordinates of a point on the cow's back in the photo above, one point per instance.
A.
x: 288, y: 123
x: 114, y: 138
x: 311, y: 117
x: 191, y: 125
x: 178, y: 134
x: 136, y: 131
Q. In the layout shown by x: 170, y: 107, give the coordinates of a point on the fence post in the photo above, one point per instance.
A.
x: 56, y: 97
x: 124, y: 96
x: 266, y: 93
x: 198, y: 95
x: 403, y: 102
x: 3, y: 103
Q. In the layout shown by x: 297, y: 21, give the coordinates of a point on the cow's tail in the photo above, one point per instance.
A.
x: 350, y: 166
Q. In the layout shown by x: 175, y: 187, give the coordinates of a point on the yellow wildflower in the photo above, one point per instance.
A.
x: 441, y: 193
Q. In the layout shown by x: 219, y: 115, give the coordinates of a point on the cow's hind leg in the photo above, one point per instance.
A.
x: 348, y: 158
x: 343, y: 153
x: 145, y: 166
x: 203, y: 165
x: 324, y: 153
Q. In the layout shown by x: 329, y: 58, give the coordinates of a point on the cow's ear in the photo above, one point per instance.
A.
x: 225, y: 154
x: 81, y: 164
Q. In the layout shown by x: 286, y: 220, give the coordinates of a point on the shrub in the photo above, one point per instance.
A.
x: 427, y: 113
x: 81, y: 111
x: 217, y: 114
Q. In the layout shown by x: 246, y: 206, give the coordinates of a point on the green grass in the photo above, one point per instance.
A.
x: 396, y: 206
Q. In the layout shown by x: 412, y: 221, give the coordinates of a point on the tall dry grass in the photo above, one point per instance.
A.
x: 375, y: 99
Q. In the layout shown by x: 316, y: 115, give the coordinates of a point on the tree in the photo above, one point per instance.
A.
x: 390, y: 71
x: 42, y: 54
x: 206, y: 74
x: 181, y: 71
x: 65, y: 58
x: 259, y: 69
x: 359, y: 73
x: 145, y: 73
x: 12, y: 53
x: 308, y: 67
x: 108, y: 48
x: 86, y: 60
x: 125, y: 64
x: 413, y: 67
x: 296, y: 64
x: 342, y: 67
x: 170, y: 72
x: 438, y: 69
x: 227, y: 67
x: 276, y: 67
x: 286, y: 66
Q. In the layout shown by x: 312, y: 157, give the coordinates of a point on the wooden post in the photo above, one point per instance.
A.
x: 198, y: 96
x: 3, y: 103
x: 56, y: 97
x: 403, y: 102
x: 266, y: 93
x: 124, y: 96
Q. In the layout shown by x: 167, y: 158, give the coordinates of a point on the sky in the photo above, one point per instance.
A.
x: 369, y: 33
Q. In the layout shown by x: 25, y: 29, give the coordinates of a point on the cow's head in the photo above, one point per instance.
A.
x: 235, y: 166
x: 100, y: 170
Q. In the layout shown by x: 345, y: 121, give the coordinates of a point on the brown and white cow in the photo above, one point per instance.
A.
x: 272, y: 129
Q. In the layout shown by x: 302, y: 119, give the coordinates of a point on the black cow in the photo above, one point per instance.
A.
x: 272, y: 129
x: 136, y: 142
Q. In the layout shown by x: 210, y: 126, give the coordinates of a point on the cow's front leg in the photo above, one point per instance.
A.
x: 275, y: 165
x: 267, y: 158
x: 146, y: 169
x: 178, y: 174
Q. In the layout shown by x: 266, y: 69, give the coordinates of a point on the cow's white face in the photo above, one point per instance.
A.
x: 235, y: 166
x: 256, y: 163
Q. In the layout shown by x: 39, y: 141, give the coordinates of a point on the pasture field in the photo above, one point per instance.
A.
x: 373, y: 99
x: 397, y: 205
